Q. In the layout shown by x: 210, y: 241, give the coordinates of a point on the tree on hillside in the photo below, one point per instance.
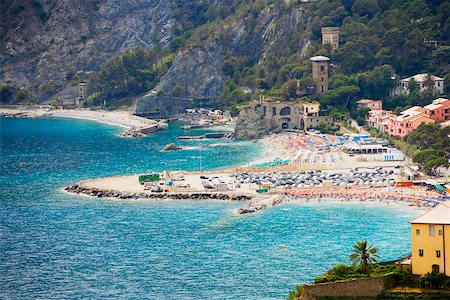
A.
x: 365, y: 8
x: 363, y: 256
x: 413, y: 86
x: 429, y: 82
x: 429, y: 136
x: 340, y: 96
x: 431, y: 166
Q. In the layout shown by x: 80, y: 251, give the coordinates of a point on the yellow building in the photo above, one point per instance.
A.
x: 430, y: 234
x: 330, y: 35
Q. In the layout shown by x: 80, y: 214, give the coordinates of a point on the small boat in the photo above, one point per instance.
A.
x: 162, y: 125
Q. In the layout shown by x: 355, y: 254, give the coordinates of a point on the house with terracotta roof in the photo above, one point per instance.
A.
x: 380, y: 119
x: 430, y: 237
x: 407, y: 123
x: 370, y: 104
x: 400, y: 125
x: 439, y: 109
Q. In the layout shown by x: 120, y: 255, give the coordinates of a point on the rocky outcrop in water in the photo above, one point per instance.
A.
x: 252, y: 125
x: 171, y: 147
x: 132, y: 133
x: 79, y: 189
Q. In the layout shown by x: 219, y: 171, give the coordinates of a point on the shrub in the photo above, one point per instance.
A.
x: 295, y: 294
x: 433, y: 280
x: 340, y: 272
x: 404, y: 277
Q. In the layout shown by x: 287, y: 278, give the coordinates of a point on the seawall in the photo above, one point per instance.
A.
x: 100, y: 193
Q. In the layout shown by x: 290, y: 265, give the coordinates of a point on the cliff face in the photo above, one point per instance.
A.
x: 251, y: 125
x: 48, y: 44
x: 199, y: 73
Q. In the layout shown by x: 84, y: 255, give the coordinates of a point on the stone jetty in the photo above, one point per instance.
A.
x: 99, y: 193
x: 132, y: 133
x: 261, y: 203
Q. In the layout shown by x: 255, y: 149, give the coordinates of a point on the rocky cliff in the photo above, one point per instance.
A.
x: 251, y: 124
x: 47, y: 45
x: 198, y: 72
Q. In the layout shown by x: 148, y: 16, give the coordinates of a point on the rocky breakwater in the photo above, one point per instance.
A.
x: 99, y: 193
x: 132, y: 133
x: 260, y: 204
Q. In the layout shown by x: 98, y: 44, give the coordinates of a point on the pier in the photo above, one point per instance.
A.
x: 215, y: 135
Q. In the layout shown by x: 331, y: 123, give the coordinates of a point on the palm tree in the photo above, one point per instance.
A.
x: 363, y: 256
x: 429, y: 82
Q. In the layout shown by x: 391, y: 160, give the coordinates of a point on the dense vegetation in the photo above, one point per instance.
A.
x: 433, y: 144
x: 381, y: 42
x: 11, y: 95
x: 131, y: 74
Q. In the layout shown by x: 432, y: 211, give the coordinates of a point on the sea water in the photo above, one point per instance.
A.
x: 56, y: 245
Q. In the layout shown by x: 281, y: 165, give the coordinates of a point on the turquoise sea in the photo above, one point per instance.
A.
x: 57, y: 246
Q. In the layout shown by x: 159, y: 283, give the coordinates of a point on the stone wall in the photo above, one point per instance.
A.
x: 364, y: 287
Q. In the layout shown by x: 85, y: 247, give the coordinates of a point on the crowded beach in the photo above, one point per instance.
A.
x: 268, y: 189
x: 314, y: 151
x: 301, y: 166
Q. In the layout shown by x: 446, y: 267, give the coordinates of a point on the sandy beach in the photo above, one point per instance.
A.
x: 305, y: 152
x: 190, y: 184
x: 118, y: 118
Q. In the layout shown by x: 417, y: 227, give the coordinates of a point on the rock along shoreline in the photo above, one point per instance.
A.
x: 99, y: 193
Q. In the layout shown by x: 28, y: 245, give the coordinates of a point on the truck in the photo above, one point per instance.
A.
x: 148, y: 177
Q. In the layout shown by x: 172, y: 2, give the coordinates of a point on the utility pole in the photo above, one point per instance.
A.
x: 201, y: 147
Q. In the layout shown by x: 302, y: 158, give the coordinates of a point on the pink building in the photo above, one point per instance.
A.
x: 401, y: 125
x: 380, y: 119
x: 439, y: 109
x: 371, y: 104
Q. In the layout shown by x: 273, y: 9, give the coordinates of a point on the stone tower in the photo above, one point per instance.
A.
x: 82, y: 90
x: 330, y: 35
x: 320, y: 74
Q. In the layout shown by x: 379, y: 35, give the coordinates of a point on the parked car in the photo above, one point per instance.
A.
x: 177, y: 177
x: 157, y: 190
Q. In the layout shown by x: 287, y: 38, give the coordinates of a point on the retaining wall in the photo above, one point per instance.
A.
x: 364, y: 287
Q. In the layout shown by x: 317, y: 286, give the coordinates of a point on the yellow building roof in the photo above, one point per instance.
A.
x: 440, y: 214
